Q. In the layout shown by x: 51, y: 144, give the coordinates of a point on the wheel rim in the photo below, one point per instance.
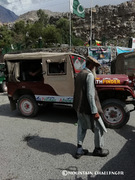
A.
x: 26, y: 107
x: 113, y: 115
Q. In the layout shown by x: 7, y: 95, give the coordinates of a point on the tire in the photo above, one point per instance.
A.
x: 27, y: 106
x: 4, y: 86
x: 115, y: 113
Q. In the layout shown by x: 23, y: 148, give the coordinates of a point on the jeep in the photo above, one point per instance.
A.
x: 38, y: 78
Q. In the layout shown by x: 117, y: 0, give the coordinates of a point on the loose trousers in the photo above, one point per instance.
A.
x: 85, y: 123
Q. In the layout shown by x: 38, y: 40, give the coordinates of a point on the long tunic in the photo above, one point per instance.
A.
x: 86, y: 120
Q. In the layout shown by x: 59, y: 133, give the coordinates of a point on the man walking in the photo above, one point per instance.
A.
x: 88, y: 108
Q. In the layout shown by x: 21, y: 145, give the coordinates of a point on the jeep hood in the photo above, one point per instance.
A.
x: 111, y: 79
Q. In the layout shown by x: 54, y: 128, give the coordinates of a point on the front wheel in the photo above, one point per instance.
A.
x: 115, y: 113
x: 27, y: 106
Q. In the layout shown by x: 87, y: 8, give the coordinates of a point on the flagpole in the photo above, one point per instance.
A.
x: 75, y: 8
x: 91, y: 25
x: 70, y: 30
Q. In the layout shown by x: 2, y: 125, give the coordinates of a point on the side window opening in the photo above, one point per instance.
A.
x: 13, y: 71
x: 56, y: 68
x: 31, y: 70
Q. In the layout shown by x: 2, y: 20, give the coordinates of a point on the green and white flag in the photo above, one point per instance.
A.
x: 76, y: 8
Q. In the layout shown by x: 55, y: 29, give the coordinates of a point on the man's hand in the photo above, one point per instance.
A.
x: 96, y: 116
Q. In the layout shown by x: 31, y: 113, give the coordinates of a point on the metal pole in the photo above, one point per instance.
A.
x: 91, y: 25
x: 70, y: 30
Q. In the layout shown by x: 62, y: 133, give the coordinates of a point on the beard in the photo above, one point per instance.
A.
x: 94, y: 72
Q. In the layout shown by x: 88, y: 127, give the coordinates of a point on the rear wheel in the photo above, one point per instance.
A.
x: 27, y: 105
x: 115, y: 113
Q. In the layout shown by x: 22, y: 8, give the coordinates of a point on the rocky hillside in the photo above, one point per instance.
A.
x: 32, y: 15
x: 114, y: 24
x: 7, y: 15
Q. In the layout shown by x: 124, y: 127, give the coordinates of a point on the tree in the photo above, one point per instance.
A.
x: 63, y: 25
x: 51, y: 35
x: 43, y: 18
x: 19, y: 27
x: 35, y: 30
x: 77, y: 41
x: 6, y: 38
x: 29, y: 35
x: 32, y: 34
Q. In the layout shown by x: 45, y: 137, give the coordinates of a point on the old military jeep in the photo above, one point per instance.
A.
x: 40, y: 78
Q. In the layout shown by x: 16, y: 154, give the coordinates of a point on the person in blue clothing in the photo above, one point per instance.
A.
x: 87, y: 105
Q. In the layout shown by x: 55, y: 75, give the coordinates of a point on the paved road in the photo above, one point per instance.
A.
x: 42, y: 148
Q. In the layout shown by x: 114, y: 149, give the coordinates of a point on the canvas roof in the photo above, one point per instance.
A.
x: 124, y: 63
x: 35, y: 55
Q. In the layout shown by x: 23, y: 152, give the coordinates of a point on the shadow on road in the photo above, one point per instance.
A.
x: 57, y: 114
x: 49, y: 145
x: 5, y: 110
x: 120, y: 167
x: 50, y: 114
x: 124, y: 161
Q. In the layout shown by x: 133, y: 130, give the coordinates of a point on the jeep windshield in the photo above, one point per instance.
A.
x: 78, y: 62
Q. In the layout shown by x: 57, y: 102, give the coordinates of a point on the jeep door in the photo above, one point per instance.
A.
x: 58, y: 74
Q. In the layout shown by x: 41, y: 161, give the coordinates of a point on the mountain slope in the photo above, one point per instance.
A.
x: 33, y: 15
x: 7, y: 15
